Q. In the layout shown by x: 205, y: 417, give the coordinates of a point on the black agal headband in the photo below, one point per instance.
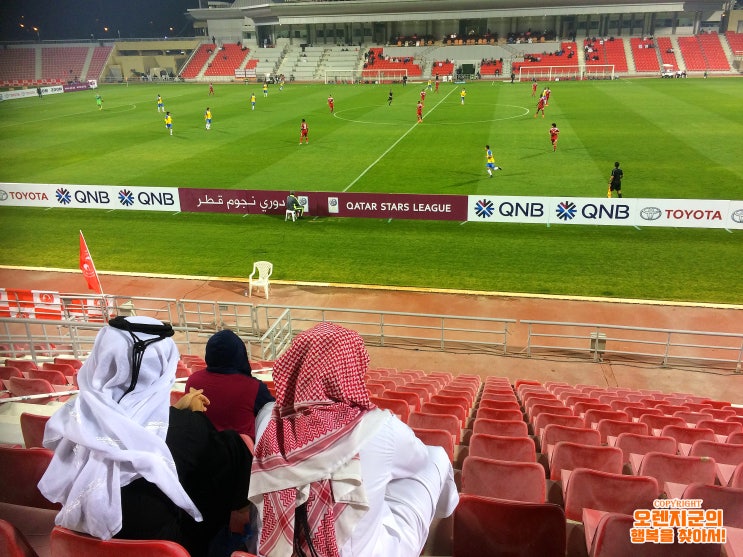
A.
x: 159, y: 331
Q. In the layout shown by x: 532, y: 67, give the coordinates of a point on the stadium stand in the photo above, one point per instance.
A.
x: 228, y: 59
x: 198, y: 61
x: 667, y: 53
x: 615, y: 54
x: 98, y: 61
x: 17, y: 65
x: 64, y: 63
x: 645, y: 55
x: 711, y: 48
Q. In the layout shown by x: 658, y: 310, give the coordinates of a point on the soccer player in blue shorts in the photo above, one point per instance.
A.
x: 490, y: 161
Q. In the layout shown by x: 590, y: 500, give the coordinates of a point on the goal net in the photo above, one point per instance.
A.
x: 365, y: 76
x: 556, y: 73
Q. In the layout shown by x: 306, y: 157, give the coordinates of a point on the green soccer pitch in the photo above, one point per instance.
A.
x: 674, y: 139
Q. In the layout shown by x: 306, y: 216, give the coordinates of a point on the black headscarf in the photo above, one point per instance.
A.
x: 226, y: 353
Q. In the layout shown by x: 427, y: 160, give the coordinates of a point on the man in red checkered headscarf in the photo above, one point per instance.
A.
x: 332, y: 474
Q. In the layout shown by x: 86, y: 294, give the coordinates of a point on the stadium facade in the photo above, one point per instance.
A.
x: 424, y: 22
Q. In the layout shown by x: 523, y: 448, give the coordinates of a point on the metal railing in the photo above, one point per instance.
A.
x: 666, y: 347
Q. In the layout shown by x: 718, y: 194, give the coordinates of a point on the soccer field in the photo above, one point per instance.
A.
x: 674, y: 138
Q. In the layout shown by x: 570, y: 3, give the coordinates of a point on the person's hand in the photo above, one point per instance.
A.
x: 194, y: 400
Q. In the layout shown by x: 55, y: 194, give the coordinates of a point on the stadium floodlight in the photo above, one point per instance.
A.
x: 556, y: 73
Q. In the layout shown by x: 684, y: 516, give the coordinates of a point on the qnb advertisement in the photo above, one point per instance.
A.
x: 90, y: 197
x: 687, y: 213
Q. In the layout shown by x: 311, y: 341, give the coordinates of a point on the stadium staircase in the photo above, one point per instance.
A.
x: 629, y: 55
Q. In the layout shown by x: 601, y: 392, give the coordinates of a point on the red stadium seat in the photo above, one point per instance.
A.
x: 720, y: 427
x: 398, y: 407
x: 569, y: 456
x: 613, y: 428
x: 524, y: 529
x: 555, y: 433
x: 32, y: 429
x: 509, y: 428
x: 447, y: 422
x: 13, y: 543
x: 501, y: 479
x: 516, y: 449
x: 604, y: 491
x: 52, y: 375
x: 729, y: 499
x: 20, y: 472
x: 676, y: 469
x: 436, y: 438
x: 66, y: 543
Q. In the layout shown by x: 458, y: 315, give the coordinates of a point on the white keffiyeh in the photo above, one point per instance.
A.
x: 102, y: 441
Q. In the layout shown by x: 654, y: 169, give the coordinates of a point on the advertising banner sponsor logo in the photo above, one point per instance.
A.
x: 247, y: 202
x: 89, y: 197
x: 567, y: 210
x: 690, y: 213
x: 396, y: 206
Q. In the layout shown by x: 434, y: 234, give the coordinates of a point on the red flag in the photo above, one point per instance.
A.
x: 88, y: 268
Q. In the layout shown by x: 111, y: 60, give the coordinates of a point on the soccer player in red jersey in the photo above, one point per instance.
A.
x: 423, y: 96
x: 436, y: 90
x: 419, y: 111
x: 304, y: 132
x: 540, y: 106
x: 534, y: 88
x: 330, y: 103
x: 554, y: 132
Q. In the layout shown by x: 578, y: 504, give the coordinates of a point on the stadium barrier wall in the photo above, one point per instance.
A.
x: 638, y: 212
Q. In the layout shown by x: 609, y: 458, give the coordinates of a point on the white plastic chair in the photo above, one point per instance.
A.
x: 290, y: 213
x: 263, y: 269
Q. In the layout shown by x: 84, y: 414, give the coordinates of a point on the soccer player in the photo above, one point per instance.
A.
x: 547, y: 93
x: 462, y: 94
x: 281, y: 84
x: 208, y: 118
x: 540, y: 106
x: 265, y: 89
x: 160, y: 105
x: 169, y: 123
x: 419, y: 111
x: 615, y: 181
x: 99, y: 101
x: 423, y: 96
x: 554, y: 132
x: 331, y: 104
x: 304, y: 132
x: 430, y: 85
x: 490, y: 161
x: 389, y: 98
x: 211, y: 89
x: 533, y: 87
x: 252, y: 101
x: 437, y: 84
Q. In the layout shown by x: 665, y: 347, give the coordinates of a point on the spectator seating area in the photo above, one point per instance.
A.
x: 376, y: 60
x: 566, y: 56
x: 442, y: 67
x: 198, y: 60
x: 491, y: 67
x: 553, y: 465
x: 735, y: 40
x: 59, y: 64
x: 645, y: 55
x: 228, y: 59
x: 703, y: 52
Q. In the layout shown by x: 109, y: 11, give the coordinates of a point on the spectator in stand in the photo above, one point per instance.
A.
x: 235, y: 396
x: 335, y: 475
x: 127, y: 464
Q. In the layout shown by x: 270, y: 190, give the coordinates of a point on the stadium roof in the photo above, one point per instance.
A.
x: 295, y: 12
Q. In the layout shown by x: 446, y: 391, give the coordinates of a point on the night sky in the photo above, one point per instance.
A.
x: 78, y: 19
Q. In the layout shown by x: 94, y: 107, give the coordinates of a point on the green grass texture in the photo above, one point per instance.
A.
x: 674, y: 138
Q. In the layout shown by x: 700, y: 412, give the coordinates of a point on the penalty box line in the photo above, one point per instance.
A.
x: 403, y: 136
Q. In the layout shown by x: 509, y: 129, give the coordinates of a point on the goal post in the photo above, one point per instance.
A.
x: 365, y: 76
x: 556, y: 73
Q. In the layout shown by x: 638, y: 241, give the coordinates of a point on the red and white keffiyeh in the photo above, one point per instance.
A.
x: 309, y: 450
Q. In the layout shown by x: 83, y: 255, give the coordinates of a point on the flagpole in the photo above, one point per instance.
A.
x: 90, y: 256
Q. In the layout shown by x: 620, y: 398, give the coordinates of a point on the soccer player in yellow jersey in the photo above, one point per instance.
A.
x: 265, y: 89
x: 160, y: 105
x: 490, y: 161
x: 169, y: 122
x: 252, y: 101
x: 208, y: 118
x: 463, y: 94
